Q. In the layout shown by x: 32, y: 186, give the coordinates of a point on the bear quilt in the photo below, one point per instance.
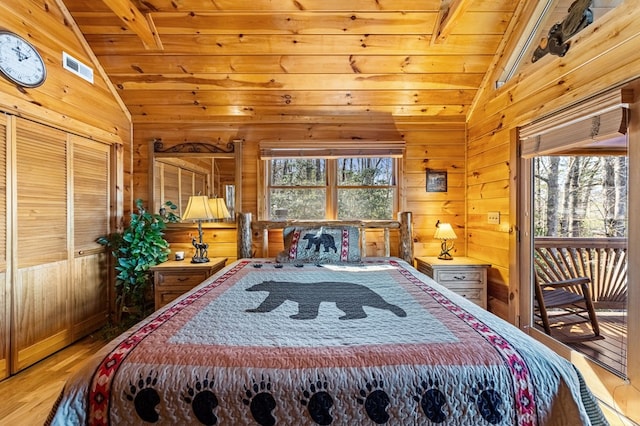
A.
x: 266, y: 343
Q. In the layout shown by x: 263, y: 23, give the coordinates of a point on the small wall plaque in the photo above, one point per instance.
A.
x: 436, y: 180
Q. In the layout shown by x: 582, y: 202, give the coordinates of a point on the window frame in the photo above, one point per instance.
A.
x: 331, y: 185
x: 328, y: 150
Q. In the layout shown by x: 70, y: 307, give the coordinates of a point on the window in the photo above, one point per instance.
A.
x: 331, y: 181
x: 575, y: 217
x: 309, y: 188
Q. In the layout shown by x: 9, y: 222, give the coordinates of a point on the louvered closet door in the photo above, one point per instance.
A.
x: 90, y: 170
x: 4, y: 289
x: 41, y: 297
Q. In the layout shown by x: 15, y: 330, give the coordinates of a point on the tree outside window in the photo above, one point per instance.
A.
x: 307, y: 188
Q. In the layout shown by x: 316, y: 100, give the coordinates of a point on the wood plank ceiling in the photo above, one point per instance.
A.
x: 276, y: 61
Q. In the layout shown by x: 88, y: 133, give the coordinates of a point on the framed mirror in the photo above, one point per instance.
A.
x: 196, y: 168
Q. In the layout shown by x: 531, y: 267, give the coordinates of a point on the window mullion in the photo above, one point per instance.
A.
x: 332, y: 191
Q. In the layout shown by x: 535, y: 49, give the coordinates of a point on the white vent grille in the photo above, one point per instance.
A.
x: 78, y: 68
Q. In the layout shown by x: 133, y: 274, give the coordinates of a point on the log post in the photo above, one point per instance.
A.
x: 245, y: 240
x: 406, y: 237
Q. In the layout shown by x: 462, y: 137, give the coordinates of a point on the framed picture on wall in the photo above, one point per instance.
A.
x: 436, y: 180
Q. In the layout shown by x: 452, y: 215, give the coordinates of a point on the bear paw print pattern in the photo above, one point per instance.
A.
x: 375, y: 401
x: 203, y: 400
x: 488, y: 400
x: 145, y: 398
x: 260, y: 401
x: 318, y: 402
x: 432, y: 400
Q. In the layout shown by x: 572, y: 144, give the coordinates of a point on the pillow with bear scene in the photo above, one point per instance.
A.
x: 320, y: 245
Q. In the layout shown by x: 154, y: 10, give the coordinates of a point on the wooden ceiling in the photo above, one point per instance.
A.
x: 276, y: 61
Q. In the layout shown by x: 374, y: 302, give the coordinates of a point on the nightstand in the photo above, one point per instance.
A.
x: 463, y: 275
x: 173, y: 278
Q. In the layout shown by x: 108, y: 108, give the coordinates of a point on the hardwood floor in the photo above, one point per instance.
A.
x: 28, y: 396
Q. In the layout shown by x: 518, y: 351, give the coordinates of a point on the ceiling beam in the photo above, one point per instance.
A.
x: 136, y: 21
x: 450, y: 11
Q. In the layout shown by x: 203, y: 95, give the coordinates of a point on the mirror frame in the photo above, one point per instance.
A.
x: 231, y: 150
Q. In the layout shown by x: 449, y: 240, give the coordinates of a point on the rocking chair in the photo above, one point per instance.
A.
x: 554, y: 300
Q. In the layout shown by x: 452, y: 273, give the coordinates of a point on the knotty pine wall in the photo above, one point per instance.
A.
x: 601, y: 56
x: 438, y: 146
x: 604, y: 55
x: 64, y: 100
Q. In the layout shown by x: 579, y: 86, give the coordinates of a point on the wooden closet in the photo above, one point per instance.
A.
x: 55, y: 196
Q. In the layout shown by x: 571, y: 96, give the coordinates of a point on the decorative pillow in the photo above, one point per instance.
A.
x: 320, y: 245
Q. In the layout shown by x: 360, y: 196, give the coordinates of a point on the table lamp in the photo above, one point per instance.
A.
x: 219, y: 208
x: 445, y: 232
x: 198, y: 209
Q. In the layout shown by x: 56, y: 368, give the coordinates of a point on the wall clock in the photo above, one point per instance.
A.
x: 20, y: 62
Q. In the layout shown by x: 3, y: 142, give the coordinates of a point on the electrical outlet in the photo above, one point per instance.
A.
x: 493, y: 218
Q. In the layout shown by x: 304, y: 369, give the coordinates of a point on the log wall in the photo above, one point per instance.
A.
x: 439, y: 146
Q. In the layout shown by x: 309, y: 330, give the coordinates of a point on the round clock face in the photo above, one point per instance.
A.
x: 20, y: 62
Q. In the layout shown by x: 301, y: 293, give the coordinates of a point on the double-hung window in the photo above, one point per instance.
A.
x: 331, y: 181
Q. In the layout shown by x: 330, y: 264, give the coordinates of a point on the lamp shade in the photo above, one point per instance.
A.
x: 198, y: 208
x: 444, y: 231
x: 219, y: 208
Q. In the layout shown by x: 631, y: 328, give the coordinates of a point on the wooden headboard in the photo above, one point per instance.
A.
x: 246, y: 228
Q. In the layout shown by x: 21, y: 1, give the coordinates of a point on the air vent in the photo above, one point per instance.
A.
x: 78, y: 68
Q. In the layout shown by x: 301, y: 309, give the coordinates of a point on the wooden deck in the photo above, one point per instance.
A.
x: 611, y: 350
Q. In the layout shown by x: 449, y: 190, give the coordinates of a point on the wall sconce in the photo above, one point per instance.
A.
x: 445, y: 232
x: 198, y: 209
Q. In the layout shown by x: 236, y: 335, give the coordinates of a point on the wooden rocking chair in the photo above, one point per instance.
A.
x: 555, y: 300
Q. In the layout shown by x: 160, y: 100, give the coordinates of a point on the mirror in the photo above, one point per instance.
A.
x: 196, y: 168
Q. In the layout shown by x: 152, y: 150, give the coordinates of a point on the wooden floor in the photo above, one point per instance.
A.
x: 28, y: 396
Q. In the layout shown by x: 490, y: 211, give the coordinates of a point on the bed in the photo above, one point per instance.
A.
x: 288, y: 341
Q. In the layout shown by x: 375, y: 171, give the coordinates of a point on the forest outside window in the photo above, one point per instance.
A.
x: 575, y: 199
x: 332, y: 188
x: 331, y: 179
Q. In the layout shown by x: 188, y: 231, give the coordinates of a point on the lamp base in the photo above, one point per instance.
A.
x: 445, y: 250
x: 199, y: 259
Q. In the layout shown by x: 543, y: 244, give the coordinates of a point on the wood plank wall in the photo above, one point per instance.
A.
x: 438, y: 146
x: 602, y: 56
x: 613, y: 56
x: 64, y: 100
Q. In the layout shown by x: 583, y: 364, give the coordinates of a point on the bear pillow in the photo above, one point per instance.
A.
x: 320, y: 245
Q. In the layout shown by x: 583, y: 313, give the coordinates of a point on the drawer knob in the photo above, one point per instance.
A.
x: 183, y: 279
x: 460, y: 278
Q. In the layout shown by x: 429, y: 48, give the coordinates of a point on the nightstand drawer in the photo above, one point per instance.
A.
x: 459, y: 275
x: 174, y: 278
x: 180, y: 279
x: 471, y: 293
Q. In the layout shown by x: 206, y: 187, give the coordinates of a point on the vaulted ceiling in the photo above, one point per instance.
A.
x: 235, y: 61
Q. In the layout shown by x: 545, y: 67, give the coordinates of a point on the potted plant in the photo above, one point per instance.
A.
x: 138, y: 247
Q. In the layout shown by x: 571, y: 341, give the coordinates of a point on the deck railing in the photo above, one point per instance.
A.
x: 603, y: 260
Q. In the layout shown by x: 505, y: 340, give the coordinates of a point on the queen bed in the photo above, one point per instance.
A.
x: 304, y: 341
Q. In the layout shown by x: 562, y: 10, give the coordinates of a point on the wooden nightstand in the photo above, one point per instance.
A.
x: 173, y: 278
x: 463, y: 275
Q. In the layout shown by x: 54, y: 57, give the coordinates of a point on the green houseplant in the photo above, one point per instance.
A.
x: 138, y: 247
